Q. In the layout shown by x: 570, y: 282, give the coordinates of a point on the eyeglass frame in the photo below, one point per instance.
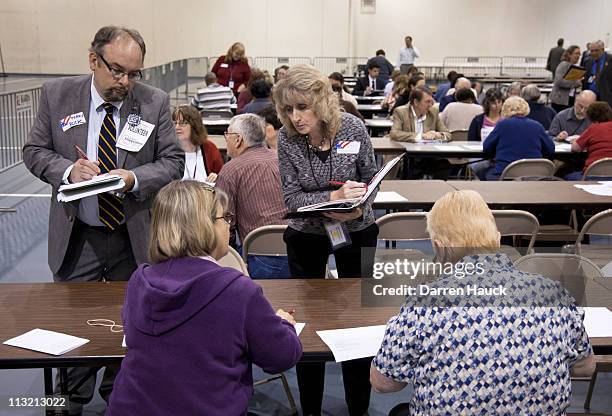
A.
x: 227, y: 217
x: 181, y: 123
x: 228, y: 133
x: 117, y: 74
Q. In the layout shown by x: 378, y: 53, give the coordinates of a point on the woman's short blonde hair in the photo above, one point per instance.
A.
x: 305, y: 84
x: 183, y: 220
x: 514, y: 106
x: 462, y: 221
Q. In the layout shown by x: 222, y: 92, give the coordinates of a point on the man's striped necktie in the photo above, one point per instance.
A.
x: 110, y: 207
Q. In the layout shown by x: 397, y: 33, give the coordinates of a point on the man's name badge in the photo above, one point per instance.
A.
x: 132, y: 138
x: 72, y: 120
x: 133, y: 119
x: 346, y: 147
x: 338, y: 234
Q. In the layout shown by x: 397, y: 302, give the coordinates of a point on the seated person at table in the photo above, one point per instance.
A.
x: 573, y: 121
x: 251, y: 180
x: 538, y: 111
x: 444, y: 87
x: 418, y: 120
x: 496, y: 354
x: 597, y: 139
x: 370, y: 83
x: 515, y: 137
x: 261, y: 90
x: 336, y: 78
x: 194, y: 328
x: 403, y: 96
x: 483, y: 124
x: 203, y: 160
x: 347, y: 106
x: 460, y: 83
x: 514, y: 89
x: 273, y: 125
x: 459, y: 115
x: 214, y: 96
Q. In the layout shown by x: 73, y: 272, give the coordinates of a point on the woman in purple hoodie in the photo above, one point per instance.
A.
x: 194, y: 328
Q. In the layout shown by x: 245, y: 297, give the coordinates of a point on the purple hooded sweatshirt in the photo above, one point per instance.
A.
x: 193, y: 329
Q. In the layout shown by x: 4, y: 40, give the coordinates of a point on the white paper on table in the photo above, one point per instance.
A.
x: 450, y: 148
x: 477, y: 146
x: 566, y: 147
x: 123, y: 344
x: 598, y: 322
x: 49, y: 342
x: 607, y: 183
x: 601, y: 190
x: 353, y: 343
x: 299, y: 326
x: 389, y: 197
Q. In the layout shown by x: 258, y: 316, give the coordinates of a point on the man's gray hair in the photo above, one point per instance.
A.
x: 107, y: 34
x: 210, y: 78
x: 251, y: 127
x: 531, y: 92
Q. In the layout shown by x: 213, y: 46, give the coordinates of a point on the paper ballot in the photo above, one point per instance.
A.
x: 299, y: 326
x: 49, y: 342
x: 601, y: 190
x: 97, y: 185
x: 389, y: 197
x: 352, y: 343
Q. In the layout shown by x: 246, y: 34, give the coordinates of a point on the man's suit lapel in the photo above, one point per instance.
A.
x: 126, y: 109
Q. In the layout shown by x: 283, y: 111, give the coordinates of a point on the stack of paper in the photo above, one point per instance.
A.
x: 601, y: 190
x: 389, y: 197
x: 353, y: 343
x: 49, y: 342
x: 97, y: 185
x: 598, y: 322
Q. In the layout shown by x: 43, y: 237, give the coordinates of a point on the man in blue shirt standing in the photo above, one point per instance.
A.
x: 407, y: 56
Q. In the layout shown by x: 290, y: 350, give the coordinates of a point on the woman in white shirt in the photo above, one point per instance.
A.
x: 203, y: 160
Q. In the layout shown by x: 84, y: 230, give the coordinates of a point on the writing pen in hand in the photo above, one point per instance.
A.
x: 338, y: 183
x: 81, y: 153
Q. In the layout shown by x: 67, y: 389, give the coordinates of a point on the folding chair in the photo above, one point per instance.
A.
x: 528, y: 167
x: 516, y: 223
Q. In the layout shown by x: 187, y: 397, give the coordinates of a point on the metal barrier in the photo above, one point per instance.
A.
x: 168, y: 76
x: 17, y: 114
x: 474, y: 66
x: 270, y: 63
x: 524, y: 67
x: 433, y: 72
x: 197, y: 67
x: 346, y: 65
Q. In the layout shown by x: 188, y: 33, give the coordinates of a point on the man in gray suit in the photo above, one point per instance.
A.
x: 554, y: 56
x: 80, y: 132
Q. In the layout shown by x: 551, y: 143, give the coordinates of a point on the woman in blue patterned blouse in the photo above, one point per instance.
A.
x: 496, y: 355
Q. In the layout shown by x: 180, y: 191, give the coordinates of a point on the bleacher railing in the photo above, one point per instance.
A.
x: 524, y: 67
x: 17, y: 114
x: 270, y: 63
x: 474, y: 66
x: 349, y: 66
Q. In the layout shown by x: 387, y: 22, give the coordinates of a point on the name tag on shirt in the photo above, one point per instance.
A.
x: 224, y: 66
x: 345, y: 147
x: 72, y: 120
x: 132, y: 138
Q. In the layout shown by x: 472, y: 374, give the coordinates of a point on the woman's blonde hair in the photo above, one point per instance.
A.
x: 463, y: 224
x: 191, y: 115
x: 305, y: 84
x: 514, y: 106
x: 235, y: 46
x: 183, y: 220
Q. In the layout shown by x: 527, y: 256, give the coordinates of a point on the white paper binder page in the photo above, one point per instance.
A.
x: 601, y: 190
x: 563, y: 147
x: 352, y: 343
x: 350, y: 204
x: 49, y: 342
x: 389, y: 197
x: 299, y: 326
x: 97, y: 185
x: 598, y: 322
x: 476, y: 146
x: 450, y: 148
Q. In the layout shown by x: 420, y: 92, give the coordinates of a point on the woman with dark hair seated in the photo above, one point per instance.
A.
x: 483, y: 124
x: 203, y: 160
x: 597, y: 139
x: 347, y: 106
x: 194, y: 328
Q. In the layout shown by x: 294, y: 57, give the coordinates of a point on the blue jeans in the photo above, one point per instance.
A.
x: 269, y: 267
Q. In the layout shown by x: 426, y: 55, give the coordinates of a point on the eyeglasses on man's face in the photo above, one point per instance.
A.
x: 117, y: 73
